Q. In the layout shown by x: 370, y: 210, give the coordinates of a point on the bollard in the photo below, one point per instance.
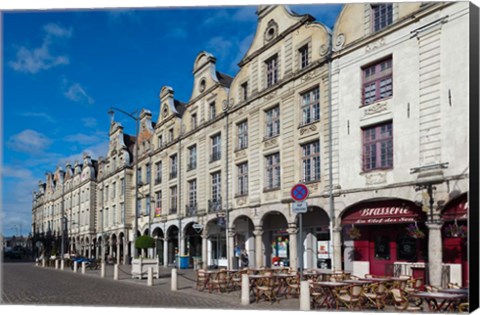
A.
x: 75, y: 266
x: 43, y: 262
x: 36, y: 263
x: 115, y: 272
x: 56, y: 263
x: 62, y: 264
x: 150, y: 277
x: 245, y: 290
x: 102, y: 270
x: 304, y: 296
x: 174, y: 279
x: 83, y: 267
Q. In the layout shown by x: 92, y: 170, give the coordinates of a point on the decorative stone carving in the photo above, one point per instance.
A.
x: 375, y: 178
x: 225, y: 105
x: 271, y: 31
x: 312, y: 186
x: 271, y: 196
x: 310, y: 75
x: 376, y: 44
x: 241, y: 154
x: 323, y: 50
x: 375, y: 109
x: 339, y: 41
x: 308, y: 129
x: 270, y: 143
x: 269, y: 96
x: 241, y: 201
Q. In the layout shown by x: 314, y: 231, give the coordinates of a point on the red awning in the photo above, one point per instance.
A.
x: 457, y: 210
x: 395, y: 212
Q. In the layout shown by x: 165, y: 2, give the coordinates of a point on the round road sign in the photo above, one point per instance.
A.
x: 299, y: 192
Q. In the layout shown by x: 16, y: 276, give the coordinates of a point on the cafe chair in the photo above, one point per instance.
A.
x: 265, y: 288
x: 352, y: 298
x: 369, y: 276
x: 316, y: 295
x: 201, y: 280
x: 375, y: 295
x: 236, y: 279
x: 413, y: 285
x: 293, y: 285
x: 453, y: 286
x: 401, y: 302
x: 218, y: 281
x: 463, y: 308
x: 431, y: 288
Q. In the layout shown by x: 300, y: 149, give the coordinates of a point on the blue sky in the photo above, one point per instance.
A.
x: 62, y: 70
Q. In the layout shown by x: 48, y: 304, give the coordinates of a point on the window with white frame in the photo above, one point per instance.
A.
x: 213, y: 110
x: 173, y: 200
x: 158, y: 173
x: 272, y: 122
x: 160, y: 141
x: 311, y: 161
x: 378, y: 147
x: 242, y: 129
x: 158, y: 199
x: 216, y: 147
x: 147, y: 205
x: 114, y: 190
x: 242, y: 178
x: 139, y: 176
x: 122, y: 186
x: 310, y: 106
x: 192, y: 193
x: 382, y: 16
x: 114, y: 215
x: 170, y: 135
x: 149, y: 173
x: 377, y: 81
x: 173, y: 166
x: 303, y: 56
x: 194, y: 121
x: 272, y: 171
x: 272, y: 70
x: 106, y: 193
x: 122, y: 213
x: 244, y: 91
x: 192, y: 157
x: 216, y: 186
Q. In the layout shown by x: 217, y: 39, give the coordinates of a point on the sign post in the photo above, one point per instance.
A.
x: 299, y: 193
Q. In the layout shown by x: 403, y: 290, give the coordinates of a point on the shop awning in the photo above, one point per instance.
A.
x: 457, y: 210
x: 383, y: 213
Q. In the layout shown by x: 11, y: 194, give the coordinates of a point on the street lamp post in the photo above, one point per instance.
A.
x: 111, y: 112
x: 430, y: 188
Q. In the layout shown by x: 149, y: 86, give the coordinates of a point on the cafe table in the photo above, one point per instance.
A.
x: 454, y: 291
x: 282, y: 282
x: 439, y: 301
x: 328, y: 289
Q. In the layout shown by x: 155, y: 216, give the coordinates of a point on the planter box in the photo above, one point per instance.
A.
x: 140, y: 267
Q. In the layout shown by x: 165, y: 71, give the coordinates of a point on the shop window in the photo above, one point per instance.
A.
x: 406, y: 248
x: 382, y: 247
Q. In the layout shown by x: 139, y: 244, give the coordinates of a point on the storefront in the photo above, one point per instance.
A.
x: 454, y: 239
x: 387, y: 237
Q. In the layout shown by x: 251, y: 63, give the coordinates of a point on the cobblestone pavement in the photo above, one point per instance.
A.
x: 24, y: 283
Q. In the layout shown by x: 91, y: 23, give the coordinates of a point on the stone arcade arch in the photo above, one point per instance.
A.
x: 216, y: 243
x: 159, y: 244
x: 193, y: 242
x: 243, y: 240
x: 316, y: 233
x: 275, y: 239
x: 172, y: 247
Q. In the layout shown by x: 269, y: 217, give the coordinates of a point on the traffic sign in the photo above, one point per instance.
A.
x: 197, y: 227
x: 300, y: 207
x: 299, y: 192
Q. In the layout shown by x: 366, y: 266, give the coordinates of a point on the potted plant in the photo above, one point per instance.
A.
x: 141, y: 265
x: 455, y: 230
x: 414, y: 231
x: 354, y: 233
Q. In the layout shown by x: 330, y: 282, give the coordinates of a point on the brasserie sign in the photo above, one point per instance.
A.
x: 381, y: 215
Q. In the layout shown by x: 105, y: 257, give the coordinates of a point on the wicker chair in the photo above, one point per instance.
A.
x: 201, y: 280
x: 431, y: 288
x: 352, y: 298
x: 218, y: 281
x: 375, y: 295
x: 464, y: 308
x: 265, y: 288
x: 401, y: 302
x: 293, y: 285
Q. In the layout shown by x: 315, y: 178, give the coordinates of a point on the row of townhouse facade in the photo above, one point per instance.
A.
x: 371, y: 116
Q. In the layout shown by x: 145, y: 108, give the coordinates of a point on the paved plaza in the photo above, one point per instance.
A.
x: 24, y: 283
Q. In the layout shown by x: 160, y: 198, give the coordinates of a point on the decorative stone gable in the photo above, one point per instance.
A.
x: 146, y: 131
x: 167, y: 104
x: 88, y: 172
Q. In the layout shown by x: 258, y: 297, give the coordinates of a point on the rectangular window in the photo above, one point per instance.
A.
x: 216, y: 186
x: 192, y: 157
x: 114, y: 190
x: 378, y: 147
x: 147, y: 204
x: 303, y: 56
x: 216, y: 148
x: 377, y: 81
x: 272, y: 168
x: 382, y: 247
x: 149, y: 173
x: 139, y: 177
x: 122, y: 186
x: 173, y: 166
x: 242, y: 129
x: 244, y: 91
x: 114, y: 215
x: 158, y: 199
x: 213, y: 110
x: 272, y: 71
x: 173, y: 200
x: 158, y: 173
x: 122, y: 213
x: 160, y: 141
x: 170, y: 135
x: 105, y: 219
x: 311, y: 161
x: 106, y: 193
x: 311, y: 106
x: 194, y: 121
x: 242, y: 170
x: 114, y: 164
x: 192, y: 194
x: 382, y: 15
x: 272, y: 121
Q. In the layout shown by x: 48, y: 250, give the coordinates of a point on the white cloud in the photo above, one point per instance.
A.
x: 220, y: 46
x: 82, y: 138
x: 34, y: 60
x: 100, y: 149
x: 45, y: 116
x: 76, y: 93
x: 29, y: 141
x: 89, y: 122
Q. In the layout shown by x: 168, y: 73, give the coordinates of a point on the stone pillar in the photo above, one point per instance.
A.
x: 204, y: 249
x: 337, y: 248
x: 304, y: 296
x: 115, y: 272
x: 231, y: 248
x: 165, y: 251
x: 118, y: 252
x: 258, y: 232
x: 110, y: 251
x: 97, y: 253
x: 125, y: 251
x: 292, y: 243
x: 434, y: 254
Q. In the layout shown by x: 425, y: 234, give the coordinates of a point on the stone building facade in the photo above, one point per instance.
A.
x: 369, y: 115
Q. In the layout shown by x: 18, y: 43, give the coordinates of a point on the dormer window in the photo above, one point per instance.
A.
x: 202, y: 85
x: 213, y: 110
x: 170, y: 135
x: 382, y: 16
x: 272, y: 70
